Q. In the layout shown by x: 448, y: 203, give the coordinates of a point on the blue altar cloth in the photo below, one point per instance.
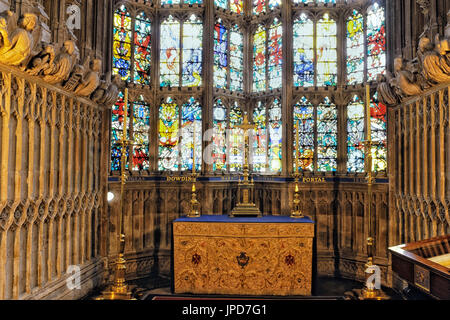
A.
x: 263, y: 219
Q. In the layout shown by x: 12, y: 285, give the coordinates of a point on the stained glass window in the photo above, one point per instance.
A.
x: 236, y: 59
x: 275, y: 136
x: 170, y: 53
x: 141, y: 127
x: 192, y: 35
x: 163, y: 2
x: 221, y: 3
x: 236, y: 142
x: 314, y: 1
x: 304, y: 124
x: 228, y: 140
x: 142, y: 49
x: 236, y: 6
x: 176, y: 143
x: 303, y: 52
x: 192, y: 52
x: 326, y: 51
x: 132, y: 45
x: 259, y: 59
x: 191, y: 134
x: 267, y: 137
x: 233, y: 5
x: 262, y: 6
x: 259, y: 155
x: 355, y: 48
x: 220, y: 55
x: 228, y: 57
x: 122, y: 43
x: 379, y: 135
x: 355, y: 135
x: 376, y: 41
x: 219, y: 151
x: 168, y: 136
x: 117, y: 132
x: 327, y: 128
x: 275, y: 55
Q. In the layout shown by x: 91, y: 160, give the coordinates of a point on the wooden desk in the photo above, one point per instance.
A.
x: 424, y: 264
x: 243, y: 256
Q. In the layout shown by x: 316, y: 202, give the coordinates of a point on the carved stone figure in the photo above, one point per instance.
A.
x: 91, y: 80
x: 385, y: 92
x: 43, y: 61
x: 404, y: 82
x: 108, y: 91
x: 436, y: 67
x: 17, y: 47
x: 63, y: 65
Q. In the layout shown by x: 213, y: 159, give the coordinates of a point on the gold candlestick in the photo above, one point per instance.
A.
x: 296, y: 207
x: 119, y: 288
x: 369, y: 292
x: 194, y: 210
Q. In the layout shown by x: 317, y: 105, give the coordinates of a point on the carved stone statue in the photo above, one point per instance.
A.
x: 108, y: 91
x: 60, y: 70
x: 404, y: 82
x: 16, y: 48
x: 91, y: 80
x: 385, y: 92
x: 43, y: 61
x: 436, y: 63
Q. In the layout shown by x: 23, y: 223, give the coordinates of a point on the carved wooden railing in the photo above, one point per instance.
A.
x: 52, y: 187
x: 420, y: 166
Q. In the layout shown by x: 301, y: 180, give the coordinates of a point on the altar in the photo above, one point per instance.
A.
x: 269, y: 255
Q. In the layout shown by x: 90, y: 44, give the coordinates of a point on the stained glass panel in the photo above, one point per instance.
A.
x: 236, y: 142
x: 275, y: 137
x: 259, y: 6
x: 259, y: 154
x: 304, y: 125
x: 236, y: 6
x: 221, y: 3
x: 192, y: 52
x: 219, y: 153
x: 142, y: 49
x: 236, y: 59
x: 220, y: 55
x: 122, y: 43
x: 168, y: 136
x: 141, y: 128
x: 326, y: 51
x: 262, y: 6
x: 327, y: 129
x: 191, y: 133
x: 316, y: 1
x: 355, y: 48
x: 303, y: 52
x: 170, y: 53
x: 275, y: 55
x: 376, y: 41
x: 259, y: 59
x: 355, y: 135
x: 117, y: 117
x: 379, y: 134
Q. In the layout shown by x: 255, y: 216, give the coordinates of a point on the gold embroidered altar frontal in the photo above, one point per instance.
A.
x: 243, y: 258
